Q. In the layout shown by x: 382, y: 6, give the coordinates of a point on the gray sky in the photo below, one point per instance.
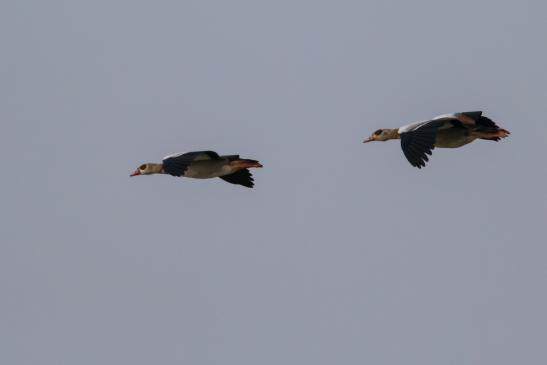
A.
x: 342, y: 254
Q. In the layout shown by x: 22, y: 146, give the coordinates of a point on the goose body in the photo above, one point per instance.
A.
x: 418, y: 139
x: 203, y: 165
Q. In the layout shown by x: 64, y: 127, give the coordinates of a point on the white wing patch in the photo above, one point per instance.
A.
x: 412, y: 126
x: 451, y: 116
x: 174, y: 155
x: 194, y: 156
x: 416, y: 125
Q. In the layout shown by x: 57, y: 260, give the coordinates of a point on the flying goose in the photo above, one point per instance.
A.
x: 446, y: 131
x: 203, y: 165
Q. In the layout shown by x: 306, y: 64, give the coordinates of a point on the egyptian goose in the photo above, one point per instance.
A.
x: 203, y: 165
x: 446, y: 131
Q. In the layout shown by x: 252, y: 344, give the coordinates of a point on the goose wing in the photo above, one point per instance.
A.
x: 177, y: 164
x: 241, y: 177
x: 418, y: 140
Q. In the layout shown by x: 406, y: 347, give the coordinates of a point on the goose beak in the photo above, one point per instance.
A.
x: 369, y: 139
x: 137, y: 172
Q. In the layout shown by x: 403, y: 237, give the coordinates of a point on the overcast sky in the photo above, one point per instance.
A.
x: 342, y: 254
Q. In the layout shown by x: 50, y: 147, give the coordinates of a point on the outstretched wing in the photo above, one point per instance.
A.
x: 177, y: 164
x: 420, y: 142
x: 241, y: 177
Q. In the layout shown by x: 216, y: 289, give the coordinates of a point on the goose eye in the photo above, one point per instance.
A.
x: 142, y: 167
x: 378, y: 132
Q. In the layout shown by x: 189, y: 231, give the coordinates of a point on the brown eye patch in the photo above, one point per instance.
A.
x: 378, y: 132
x: 142, y: 167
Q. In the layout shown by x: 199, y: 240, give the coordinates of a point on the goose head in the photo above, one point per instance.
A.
x: 148, y: 169
x: 383, y: 135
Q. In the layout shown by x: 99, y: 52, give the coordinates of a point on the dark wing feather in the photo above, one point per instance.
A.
x: 475, y: 115
x: 176, y: 165
x: 241, y: 177
x: 230, y: 157
x: 419, y: 143
x: 480, y: 120
x: 487, y: 122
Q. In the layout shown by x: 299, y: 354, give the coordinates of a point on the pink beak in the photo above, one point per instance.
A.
x: 137, y: 172
x: 369, y: 139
